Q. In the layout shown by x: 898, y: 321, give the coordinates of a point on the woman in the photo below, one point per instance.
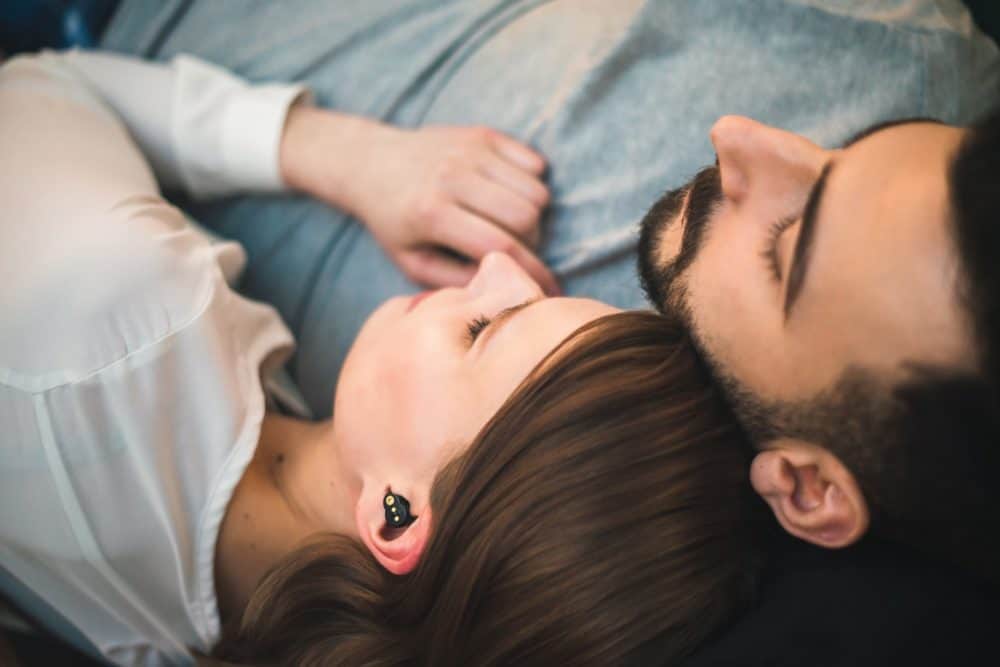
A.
x: 147, y: 489
x: 601, y: 517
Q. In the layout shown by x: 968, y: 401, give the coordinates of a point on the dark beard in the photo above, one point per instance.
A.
x: 660, y: 283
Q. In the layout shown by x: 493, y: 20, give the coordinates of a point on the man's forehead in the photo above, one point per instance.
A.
x: 916, y: 135
x: 896, y: 172
x: 883, y: 234
x: 887, y: 124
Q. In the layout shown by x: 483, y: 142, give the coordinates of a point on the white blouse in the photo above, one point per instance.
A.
x: 132, y: 376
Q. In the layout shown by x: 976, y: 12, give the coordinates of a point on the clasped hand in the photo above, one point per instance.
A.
x: 437, y: 199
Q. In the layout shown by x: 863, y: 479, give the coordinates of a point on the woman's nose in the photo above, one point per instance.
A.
x: 501, y: 277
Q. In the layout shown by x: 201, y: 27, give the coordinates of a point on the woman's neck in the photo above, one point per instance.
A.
x: 292, y: 489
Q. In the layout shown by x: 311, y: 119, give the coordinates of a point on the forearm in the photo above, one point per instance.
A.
x: 471, y: 190
x: 326, y: 154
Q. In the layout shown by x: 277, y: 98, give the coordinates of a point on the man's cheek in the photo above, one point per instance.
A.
x: 732, y: 320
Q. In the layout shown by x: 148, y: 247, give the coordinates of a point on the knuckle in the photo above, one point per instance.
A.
x: 405, y: 263
x: 418, y: 263
x: 443, y: 172
x: 482, y: 133
x: 452, y: 169
x: 428, y: 212
x: 524, y: 219
x: 431, y: 228
x: 413, y: 266
x: 506, y: 245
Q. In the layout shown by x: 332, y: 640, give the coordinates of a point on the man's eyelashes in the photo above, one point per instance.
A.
x: 770, y: 250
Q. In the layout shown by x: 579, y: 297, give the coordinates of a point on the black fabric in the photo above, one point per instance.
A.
x: 30, y: 25
x: 873, y: 604
x: 44, y: 651
x: 987, y: 16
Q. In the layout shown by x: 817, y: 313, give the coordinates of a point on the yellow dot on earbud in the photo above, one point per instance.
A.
x: 396, y: 519
x: 395, y: 511
x: 389, y: 500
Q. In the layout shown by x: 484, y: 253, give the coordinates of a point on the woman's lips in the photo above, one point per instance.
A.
x: 417, y: 299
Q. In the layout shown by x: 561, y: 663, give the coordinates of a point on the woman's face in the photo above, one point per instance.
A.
x: 427, y: 372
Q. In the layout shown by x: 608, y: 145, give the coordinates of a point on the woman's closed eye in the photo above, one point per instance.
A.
x: 478, y: 325
x: 475, y: 327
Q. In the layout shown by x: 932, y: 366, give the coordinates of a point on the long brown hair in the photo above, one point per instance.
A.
x: 605, y: 508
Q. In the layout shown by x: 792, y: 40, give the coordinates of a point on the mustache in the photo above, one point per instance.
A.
x: 704, y: 196
x: 695, y: 203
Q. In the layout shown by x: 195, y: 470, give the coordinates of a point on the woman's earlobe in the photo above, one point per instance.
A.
x: 398, y: 548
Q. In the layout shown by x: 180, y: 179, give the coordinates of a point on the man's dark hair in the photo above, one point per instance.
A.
x: 933, y: 483
x: 974, y: 181
x: 961, y: 415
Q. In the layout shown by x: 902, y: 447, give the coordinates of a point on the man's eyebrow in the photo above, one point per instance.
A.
x: 498, y: 321
x: 804, y: 244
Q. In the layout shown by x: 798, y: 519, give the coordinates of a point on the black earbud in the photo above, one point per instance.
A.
x: 397, y: 510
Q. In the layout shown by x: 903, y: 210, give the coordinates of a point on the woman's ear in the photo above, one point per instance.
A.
x: 812, y: 494
x: 398, y: 550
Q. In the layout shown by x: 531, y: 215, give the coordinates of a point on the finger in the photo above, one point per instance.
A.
x: 435, y: 269
x: 474, y: 237
x: 518, y: 154
x: 524, y: 183
x: 497, y: 204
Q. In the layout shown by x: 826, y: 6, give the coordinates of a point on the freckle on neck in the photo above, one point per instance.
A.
x: 280, y: 458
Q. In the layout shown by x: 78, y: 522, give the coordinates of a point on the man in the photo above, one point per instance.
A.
x: 849, y: 302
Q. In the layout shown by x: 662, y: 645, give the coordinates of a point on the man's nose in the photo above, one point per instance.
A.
x: 758, y: 159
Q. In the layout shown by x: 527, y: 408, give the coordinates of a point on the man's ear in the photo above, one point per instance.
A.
x: 812, y: 494
x: 397, y: 549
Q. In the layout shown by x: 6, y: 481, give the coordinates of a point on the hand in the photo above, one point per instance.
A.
x: 467, y: 190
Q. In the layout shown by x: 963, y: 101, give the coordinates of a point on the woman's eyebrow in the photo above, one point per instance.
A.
x: 502, y: 318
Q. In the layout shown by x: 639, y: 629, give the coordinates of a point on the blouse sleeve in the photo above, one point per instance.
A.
x: 131, y: 373
x: 200, y: 127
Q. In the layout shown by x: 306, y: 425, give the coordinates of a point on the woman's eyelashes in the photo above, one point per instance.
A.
x: 475, y: 327
x: 770, y: 251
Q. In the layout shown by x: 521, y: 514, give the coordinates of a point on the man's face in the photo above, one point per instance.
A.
x: 793, y: 263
